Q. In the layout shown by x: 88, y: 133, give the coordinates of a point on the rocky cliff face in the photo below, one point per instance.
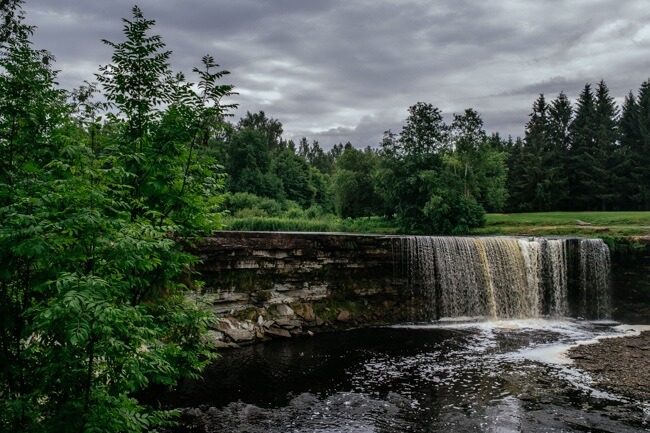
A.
x: 283, y: 284
x: 631, y: 280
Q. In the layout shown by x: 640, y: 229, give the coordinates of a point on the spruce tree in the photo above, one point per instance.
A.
x: 630, y: 170
x: 642, y: 149
x: 535, y: 189
x: 583, y: 182
x: 605, y: 152
x: 560, y: 116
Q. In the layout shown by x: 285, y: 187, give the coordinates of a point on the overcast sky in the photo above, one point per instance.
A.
x: 347, y: 70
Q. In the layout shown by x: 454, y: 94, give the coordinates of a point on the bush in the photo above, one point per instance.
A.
x: 454, y: 214
x: 252, y: 204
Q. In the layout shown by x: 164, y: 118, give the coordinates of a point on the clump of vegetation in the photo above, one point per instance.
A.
x: 261, y: 296
x: 94, y: 200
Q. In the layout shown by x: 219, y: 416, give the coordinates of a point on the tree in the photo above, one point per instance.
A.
x: 11, y: 20
x: 606, y: 156
x: 248, y: 165
x: 316, y: 156
x: 631, y: 189
x: 541, y: 181
x: 429, y: 175
x: 137, y: 84
x: 560, y: 116
x: 409, y: 173
x: 93, y: 239
x: 270, y: 128
x: 424, y: 133
x: 353, y: 188
x: 476, y: 163
x: 31, y: 111
x: 296, y: 177
x: 641, y: 149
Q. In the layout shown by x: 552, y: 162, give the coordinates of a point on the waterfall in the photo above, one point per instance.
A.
x: 503, y: 277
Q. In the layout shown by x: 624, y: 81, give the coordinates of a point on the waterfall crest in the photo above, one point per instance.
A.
x: 504, y: 277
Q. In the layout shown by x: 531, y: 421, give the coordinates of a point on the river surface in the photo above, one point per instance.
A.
x: 445, y: 377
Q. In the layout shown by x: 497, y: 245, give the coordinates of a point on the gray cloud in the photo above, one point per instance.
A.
x: 338, y: 71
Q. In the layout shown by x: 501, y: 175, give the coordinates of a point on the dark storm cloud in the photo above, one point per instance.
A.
x: 338, y: 71
x: 552, y: 86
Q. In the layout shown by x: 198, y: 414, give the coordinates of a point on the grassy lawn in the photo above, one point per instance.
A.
x: 593, y: 224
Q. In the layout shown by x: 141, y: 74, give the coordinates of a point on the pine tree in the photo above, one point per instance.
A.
x: 534, y: 189
x: 641, y: 151
x: 605, y: 152
x: 630, y: 171
x: 560, y: 116
x: 583, y: 182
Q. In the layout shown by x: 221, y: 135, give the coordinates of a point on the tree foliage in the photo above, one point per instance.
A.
x: 587, y: 157
x: 440, y: 178
x: 95, y: 277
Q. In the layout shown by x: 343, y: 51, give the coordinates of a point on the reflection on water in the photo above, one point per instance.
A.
x: 497, y: 377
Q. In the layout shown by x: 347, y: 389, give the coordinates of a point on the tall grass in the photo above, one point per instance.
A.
x: 328, y: 224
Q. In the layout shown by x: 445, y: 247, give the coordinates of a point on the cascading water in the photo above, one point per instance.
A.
x: 504, y: 277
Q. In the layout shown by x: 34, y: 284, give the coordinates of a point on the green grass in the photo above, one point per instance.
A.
x: 588, y: 224
x: 591, y: 224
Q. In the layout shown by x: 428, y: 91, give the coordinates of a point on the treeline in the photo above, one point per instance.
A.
x: 431, y: 177
x: 434, y: 177
x: 593, y: 156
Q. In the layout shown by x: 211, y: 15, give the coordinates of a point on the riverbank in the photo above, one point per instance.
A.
x: 617, y: 365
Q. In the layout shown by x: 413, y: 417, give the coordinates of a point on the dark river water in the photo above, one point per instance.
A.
x: 496, y: 377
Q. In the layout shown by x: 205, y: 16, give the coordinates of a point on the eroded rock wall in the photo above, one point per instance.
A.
x: 631, y: 280
x: 282, y: 284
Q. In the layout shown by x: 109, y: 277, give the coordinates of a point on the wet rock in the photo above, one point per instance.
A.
x: 305, y: 311
x: 319, y: 321
x: 284, y: 310
x: 239, y: 334
x: 214, y: 336
x: 278, y: 332
x: 248, y: 326
x: 287, y: 323
x: 225, y: 323
x: 343, y: 316
x: 222, y: 344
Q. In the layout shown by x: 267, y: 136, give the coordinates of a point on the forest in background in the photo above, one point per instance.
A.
x: 103, y: 188
x: 434, y: 177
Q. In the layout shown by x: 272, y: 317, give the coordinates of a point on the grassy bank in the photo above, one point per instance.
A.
x: 591, y: 224
x: 588, y: 224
